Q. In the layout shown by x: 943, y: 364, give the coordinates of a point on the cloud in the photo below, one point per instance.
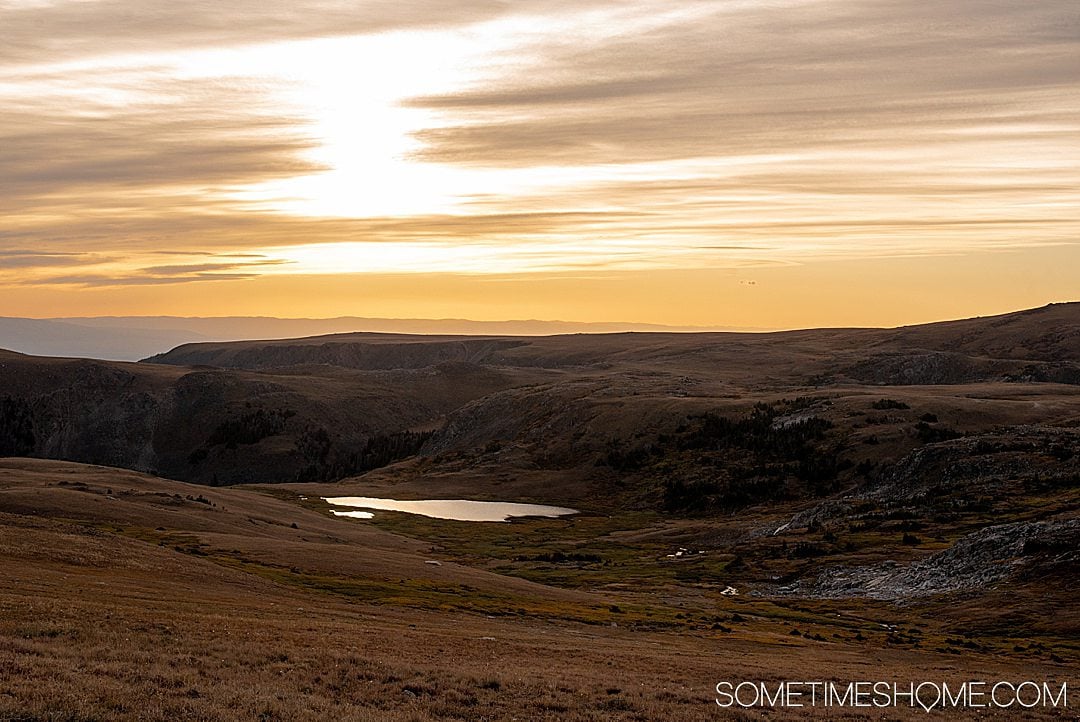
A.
x: 151, y: 136
x: 157, y: 275
x: 74, y: 29
x: 29, y: 268
x: 106, y: 280
x: 202, y: 270
x: 23, y: 258
x: 771, y: 78
x: 696, y: 133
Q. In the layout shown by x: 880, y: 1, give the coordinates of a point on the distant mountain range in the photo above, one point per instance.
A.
x: 129, y: 338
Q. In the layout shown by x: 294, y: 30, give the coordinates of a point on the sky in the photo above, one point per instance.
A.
x: 730, y: 163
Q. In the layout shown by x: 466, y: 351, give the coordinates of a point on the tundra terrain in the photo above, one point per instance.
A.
x: 841, y: 504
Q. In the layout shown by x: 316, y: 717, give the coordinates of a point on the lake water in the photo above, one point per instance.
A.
x: 355, y: 514
x: 455, y: 509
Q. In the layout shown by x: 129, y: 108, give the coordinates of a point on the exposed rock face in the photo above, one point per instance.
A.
x: 218, y: 426
x: 934, y: 368
x: 979, y: 465
x: 975, y: 562
x: 964, y: 482
x: 924, y: 369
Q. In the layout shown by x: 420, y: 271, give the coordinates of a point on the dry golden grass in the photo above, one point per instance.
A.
x: 98, y: 620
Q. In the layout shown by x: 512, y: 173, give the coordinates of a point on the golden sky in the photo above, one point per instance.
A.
x: 721, y: 163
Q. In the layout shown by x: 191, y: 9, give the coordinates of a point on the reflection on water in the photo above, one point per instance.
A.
x: 355, y: 514
x: 455, y: 509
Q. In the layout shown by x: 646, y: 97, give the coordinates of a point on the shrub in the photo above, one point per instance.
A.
x: 931, y: 434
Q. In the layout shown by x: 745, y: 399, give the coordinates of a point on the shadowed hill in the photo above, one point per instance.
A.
x: 216, y: 426
x: 1048, y: 334
x: 358, y: 351
x: 128, y: 338
x: 582, y: 406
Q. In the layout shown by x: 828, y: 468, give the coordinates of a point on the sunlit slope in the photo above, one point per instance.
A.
x: 236, y: 528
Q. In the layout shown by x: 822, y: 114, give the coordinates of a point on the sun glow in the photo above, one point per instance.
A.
x: 347, y: 96
x: 474, y: 258
x: 145, y: 147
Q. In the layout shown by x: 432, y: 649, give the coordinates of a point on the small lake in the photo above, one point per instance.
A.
x: 355, y: 514
x: 454, y: 509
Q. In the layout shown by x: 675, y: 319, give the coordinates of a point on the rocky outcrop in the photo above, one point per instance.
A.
x: 937, y: 368
x: 218, y: 426
x: 975, y: 562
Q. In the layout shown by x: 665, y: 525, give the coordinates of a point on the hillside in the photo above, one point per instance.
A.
x: 322, y: 408
x: 222, y: 427
x: 989, y: 348
x: 886, y: 500
x: 1050, y: 333
x: 129, y: 338
x: 244, y: 603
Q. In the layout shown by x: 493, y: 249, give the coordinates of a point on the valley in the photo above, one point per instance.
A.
x: 874, y: 503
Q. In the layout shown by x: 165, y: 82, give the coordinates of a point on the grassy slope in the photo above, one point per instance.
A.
x: 139, y: 603
x: 230, y: 610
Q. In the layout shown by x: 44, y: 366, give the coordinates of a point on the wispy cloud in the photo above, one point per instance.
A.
x: 88, y: 269
x: 75, y: 29
x: 24, y: 258
x: 769, y: 78
x: 204, y: 269
x: 536, y: 137
x: 107, y: 280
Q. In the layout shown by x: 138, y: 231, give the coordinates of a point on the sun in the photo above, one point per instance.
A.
x: 348, y: 96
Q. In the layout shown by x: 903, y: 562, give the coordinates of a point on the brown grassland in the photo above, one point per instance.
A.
x: 899, y: 505
x: 125, y: 598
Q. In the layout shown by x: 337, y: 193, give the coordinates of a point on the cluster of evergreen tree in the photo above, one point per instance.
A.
x: 249, y: 428
x: 757, y: 432
x: 755, y: 456
x: 16, y: 427
x: 715, y: 460
x: 327, y: 461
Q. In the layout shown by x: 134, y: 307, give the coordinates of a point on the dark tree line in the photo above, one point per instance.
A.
x: 326, y: 460
x: 756, y: 456
x: 717, y: 461
x: 16, y: 427
x: 759, y: 432
x: 249, y: 428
